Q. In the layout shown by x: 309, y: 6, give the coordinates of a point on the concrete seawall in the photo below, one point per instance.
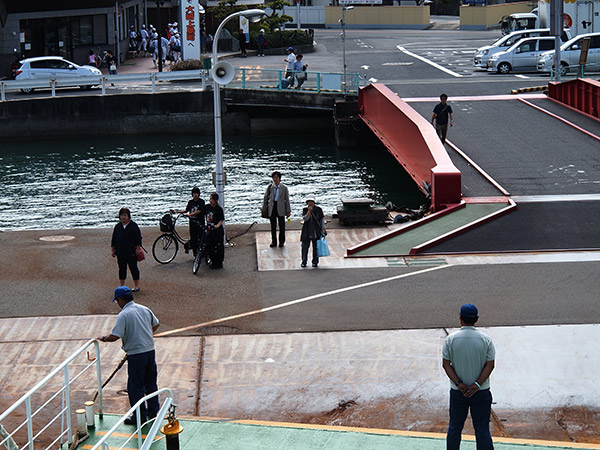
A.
x: 244, y: 111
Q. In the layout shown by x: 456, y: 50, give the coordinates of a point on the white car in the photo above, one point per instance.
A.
x: 45, y: 68
x: 483, y: 54
x: 569, y: 54
x: 522, y: 56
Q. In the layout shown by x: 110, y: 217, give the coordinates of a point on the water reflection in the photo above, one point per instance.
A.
x: 69, y: 183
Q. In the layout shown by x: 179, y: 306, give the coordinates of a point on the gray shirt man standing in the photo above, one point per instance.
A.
x: 135, y: 326
x: 468, y: 358
x: 276, y: 204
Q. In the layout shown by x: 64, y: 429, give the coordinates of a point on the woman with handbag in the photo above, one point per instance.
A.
x: 312, y: 229
x: 126, y: 246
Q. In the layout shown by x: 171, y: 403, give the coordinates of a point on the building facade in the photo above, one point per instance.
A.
x: 67, y: 28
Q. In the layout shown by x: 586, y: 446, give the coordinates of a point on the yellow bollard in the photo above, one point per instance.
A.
x: 172, y: 430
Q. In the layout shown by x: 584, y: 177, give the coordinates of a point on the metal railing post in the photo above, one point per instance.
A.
x: 103, y: 85
x: 153, y: 83
x: 53, y: 86
x: 3, y: 93
x: 243, y: 78
x: 68, y: 403
x: 29, y: 423
x: 138, y: 416
x: 203, y: 78
x: 99, y: 376
x: 319, y: 82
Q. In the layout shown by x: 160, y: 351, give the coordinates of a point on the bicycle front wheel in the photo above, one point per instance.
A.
x: 197, y: 262
x: 165, y: 248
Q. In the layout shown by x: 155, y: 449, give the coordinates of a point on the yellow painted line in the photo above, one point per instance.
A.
x: 415, y: 434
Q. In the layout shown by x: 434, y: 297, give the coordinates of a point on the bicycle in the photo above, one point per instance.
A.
x: 166, y: 246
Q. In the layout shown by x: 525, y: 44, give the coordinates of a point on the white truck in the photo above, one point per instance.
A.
x: 581, y: 16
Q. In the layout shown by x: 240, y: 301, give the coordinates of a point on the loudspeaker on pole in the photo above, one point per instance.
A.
x: 222, y: 72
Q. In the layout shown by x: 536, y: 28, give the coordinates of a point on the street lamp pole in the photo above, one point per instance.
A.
x: 252, y: 15
x: 343, y: 24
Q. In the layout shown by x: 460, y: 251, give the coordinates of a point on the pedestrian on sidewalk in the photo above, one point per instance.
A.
x: 276, y: 206
x: 289, y: 63
x: 312, y: 229
x: 126, y: 245
x: 242, y: 39
x: 261, y: 42
x: 440, y: 117
x: 135, y: 326
x: 468, y: 359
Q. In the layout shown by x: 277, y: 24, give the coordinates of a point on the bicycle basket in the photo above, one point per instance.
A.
x: 166, y: 223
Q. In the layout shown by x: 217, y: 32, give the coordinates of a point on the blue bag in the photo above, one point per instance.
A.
x: 322, y: 248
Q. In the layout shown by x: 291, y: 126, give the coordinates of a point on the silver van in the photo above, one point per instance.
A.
x: 569, y: 54
x: 483, y: 54
x: 522, y: 56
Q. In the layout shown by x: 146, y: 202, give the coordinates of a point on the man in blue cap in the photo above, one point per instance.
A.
x: 468, y: 359
x: 135, y: 326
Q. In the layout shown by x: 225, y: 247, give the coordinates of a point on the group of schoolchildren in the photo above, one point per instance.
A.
x: 146, y: 42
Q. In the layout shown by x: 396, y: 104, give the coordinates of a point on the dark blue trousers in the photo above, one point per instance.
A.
x: 142, y: 374
x: 481, y: 407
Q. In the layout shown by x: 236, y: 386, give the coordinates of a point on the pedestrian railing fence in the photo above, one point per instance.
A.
x: 245, y: 78
x: 46, y: 408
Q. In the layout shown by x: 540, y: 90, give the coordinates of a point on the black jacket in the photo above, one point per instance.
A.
x: 125, y: 240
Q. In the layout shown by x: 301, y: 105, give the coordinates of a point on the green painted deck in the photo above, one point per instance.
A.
x: 402, y: 243
x: 229, y: 435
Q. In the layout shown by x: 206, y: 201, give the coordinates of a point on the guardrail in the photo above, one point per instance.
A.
x: 102, y: 81
x: 64, y: 413
x: 273, y: 79
x: 245, y: 78
x: 143, y: 443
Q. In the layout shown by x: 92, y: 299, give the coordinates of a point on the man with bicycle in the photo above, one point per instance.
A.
x: 195, y: 211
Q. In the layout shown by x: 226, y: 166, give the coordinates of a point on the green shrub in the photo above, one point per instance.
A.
x: 188, y: 64
x: 282, y: 39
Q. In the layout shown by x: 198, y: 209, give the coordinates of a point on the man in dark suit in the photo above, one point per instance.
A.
x: 276, y: 203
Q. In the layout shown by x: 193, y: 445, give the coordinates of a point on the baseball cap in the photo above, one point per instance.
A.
x: 469, y: 311
x: 289, y: 49
x: 121, y: 291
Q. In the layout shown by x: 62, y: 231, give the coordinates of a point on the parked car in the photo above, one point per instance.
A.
x: 52, y: 67
x: 569, y: 54
x: 522, y: 56
x: 483, y: 54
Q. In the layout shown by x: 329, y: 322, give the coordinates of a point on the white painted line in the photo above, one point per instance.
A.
x: 476, y: 98
x: 483, y: 173
x: 556, y: 198
x: 522, y: 76
x: 431, y: 63
x: 523, y: 258
x: 300, y: 300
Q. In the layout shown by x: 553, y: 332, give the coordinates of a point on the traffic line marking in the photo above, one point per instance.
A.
x: 563, y: 120
x: 427, y: 61
x: 300, y: 300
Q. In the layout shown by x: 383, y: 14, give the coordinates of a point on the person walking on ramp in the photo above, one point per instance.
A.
x: 440, y: 116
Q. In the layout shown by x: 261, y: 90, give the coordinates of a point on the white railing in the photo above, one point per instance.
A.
x: 143, y: 444
x: 64, y: 413
x: 245, y: 78
x: 102, y: 81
